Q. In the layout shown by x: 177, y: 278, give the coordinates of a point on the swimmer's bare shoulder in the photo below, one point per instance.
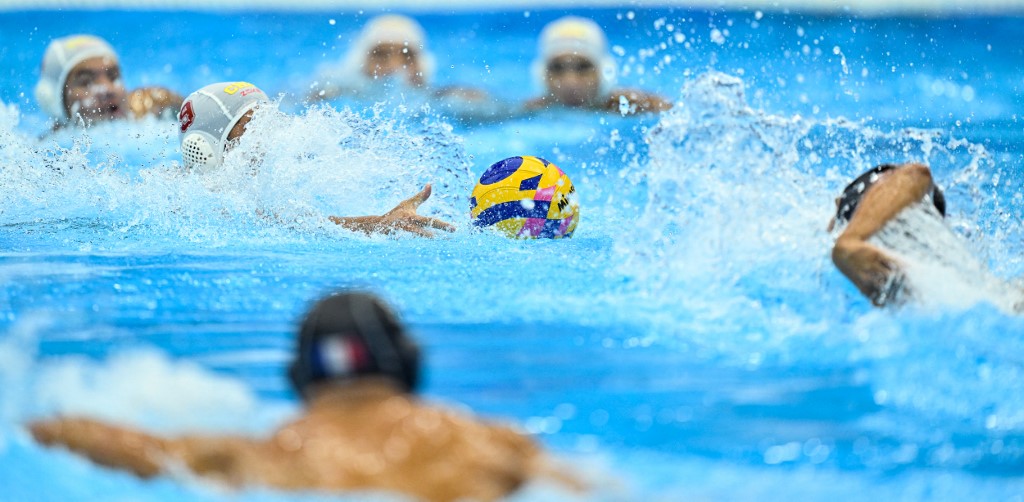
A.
x: 400, y: 443
x: 154, y: 101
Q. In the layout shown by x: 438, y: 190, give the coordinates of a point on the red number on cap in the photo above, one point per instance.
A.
x: 187, y: 116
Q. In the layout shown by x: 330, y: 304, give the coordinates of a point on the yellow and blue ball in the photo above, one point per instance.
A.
x: 526, y: 198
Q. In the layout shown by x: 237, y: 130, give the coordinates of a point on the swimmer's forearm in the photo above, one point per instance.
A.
x: 870, y: 269
x: 642, y: 101
x: 898, y: 190
x: 365, y: 224
x: 105, y: 444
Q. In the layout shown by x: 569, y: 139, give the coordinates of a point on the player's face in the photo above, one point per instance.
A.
x: 94, y: 90
x: 239, y: 128
x: 573, y: 80
x: 388, y: 59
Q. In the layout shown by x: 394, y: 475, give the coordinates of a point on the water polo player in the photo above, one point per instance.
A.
x: 865, y: 206
x: 213, y: 118
x: 362, y: 428
x: 390, y: 50
x: 576, y: 70
x: 390, y: 54
x: 893, y: 213
x: 80, y: 83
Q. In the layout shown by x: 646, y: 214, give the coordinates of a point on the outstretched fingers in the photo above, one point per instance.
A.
x: 412, y: 203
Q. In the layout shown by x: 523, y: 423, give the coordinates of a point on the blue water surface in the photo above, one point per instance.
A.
x: 692, y: 340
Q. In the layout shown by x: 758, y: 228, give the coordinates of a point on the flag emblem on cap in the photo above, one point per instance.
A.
x: 187, y: 116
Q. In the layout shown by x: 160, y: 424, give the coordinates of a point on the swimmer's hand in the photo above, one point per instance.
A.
x: 402, y: 217
x: 155, y: 101
x: 636, y: 102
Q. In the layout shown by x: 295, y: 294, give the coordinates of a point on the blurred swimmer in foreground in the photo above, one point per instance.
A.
x: 211, y: 121
x: 362, y: 428
x: 876, y: 211
x: 80, y: 84
x: 576, y: 70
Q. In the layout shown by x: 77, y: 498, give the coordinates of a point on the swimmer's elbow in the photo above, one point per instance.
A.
x: 918, y: 172
x: 841, y: 251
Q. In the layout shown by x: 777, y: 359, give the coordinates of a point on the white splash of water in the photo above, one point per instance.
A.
x: 288, y: 173
x: 730, y: 257
x: 739, y: 196
x: 144, y: 386
x: 942, y: 271
x: 140, y: 386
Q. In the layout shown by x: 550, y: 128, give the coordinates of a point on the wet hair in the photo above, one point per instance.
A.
x: 853, y: 192
x: 351, y: 335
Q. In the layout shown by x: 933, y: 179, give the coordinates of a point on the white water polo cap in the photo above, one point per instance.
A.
x: 207, y: 117
x: 578, y: 36
x: 391, y: 29
x: 61, y: 56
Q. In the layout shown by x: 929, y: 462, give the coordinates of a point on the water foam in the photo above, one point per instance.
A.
x: 731, y: 255
x: 287, y: 175
x: 141, y: 386
x: 739, y: 198
x: 940, y: 267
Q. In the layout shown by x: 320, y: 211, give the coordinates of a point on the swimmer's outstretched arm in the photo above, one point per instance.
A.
x: 639, y: 101
x: 143, y: 454
x: 865, y: 265
x: 402, y: 217
x: 104, y: 444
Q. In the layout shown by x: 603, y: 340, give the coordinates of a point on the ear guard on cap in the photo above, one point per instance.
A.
x: 199, y: 152
x: 50, y: 101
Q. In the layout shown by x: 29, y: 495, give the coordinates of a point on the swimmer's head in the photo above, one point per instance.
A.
x: 348, y: 336
x: 392, y: 45
x: 573, y: 65
x: 81, y: 77
x: 847, y: 203
x: 211, y: 118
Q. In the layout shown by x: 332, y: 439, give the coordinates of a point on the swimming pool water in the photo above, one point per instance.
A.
x: 691, y: 341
